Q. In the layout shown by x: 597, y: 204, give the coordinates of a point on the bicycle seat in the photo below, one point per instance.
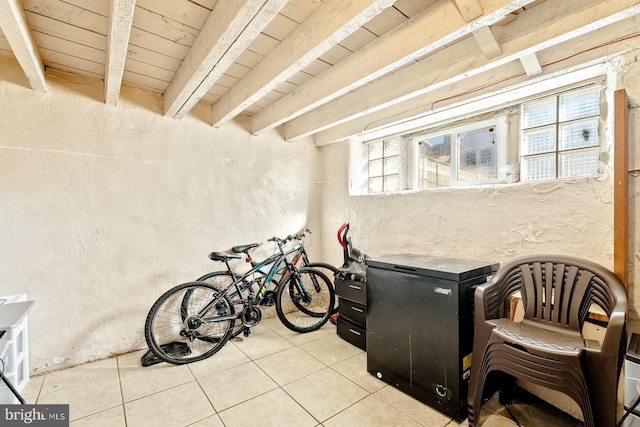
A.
x: 221, y: 256
x: 244, y: 248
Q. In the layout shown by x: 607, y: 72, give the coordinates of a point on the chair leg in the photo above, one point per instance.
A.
x: 505, y: 395
x: 605, y: 399
x: 476, y: 400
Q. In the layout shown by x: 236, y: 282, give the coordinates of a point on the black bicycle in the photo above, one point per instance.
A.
x: 192, y: 321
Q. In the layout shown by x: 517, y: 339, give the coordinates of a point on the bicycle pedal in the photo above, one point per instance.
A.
x: 246, y: 332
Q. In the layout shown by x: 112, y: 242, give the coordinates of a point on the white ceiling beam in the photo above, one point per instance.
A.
x: 448, y: 66
x: 588, y: 49
x: 330, y: 23
x: 487, y: 42
x: 469, y: 9
x: 419, y: 36
x: 228, y: 31
x: 531, y: 65
x: 15, y: 27
x: 120, y: 19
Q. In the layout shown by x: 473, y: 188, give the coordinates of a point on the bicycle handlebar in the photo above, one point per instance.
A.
x: 302, y: 234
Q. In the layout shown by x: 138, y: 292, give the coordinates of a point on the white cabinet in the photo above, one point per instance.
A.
x: 14, y: 345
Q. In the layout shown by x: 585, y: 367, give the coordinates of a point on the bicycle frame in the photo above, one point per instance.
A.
x: 298, y: 251
x: 240, y: 283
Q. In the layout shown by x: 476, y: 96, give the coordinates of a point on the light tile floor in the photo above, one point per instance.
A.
x: 274, y: 377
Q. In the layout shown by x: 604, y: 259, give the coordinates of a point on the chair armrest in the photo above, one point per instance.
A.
x: 615, y: 332
x: 489, y: 297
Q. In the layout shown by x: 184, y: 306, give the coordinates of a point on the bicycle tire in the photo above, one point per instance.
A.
x: 299, y: 291
x: 329, y: 271
x: 175, y: 330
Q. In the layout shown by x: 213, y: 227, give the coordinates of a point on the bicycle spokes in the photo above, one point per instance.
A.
x: 194, y: 314
x: 300, y: 306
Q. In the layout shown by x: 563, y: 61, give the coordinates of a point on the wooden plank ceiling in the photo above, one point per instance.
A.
x: 327, y: 68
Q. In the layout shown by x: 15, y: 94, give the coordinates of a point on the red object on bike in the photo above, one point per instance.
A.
x: 342, y: 243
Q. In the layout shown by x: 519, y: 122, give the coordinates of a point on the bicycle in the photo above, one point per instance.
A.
x: 194, y: 320
x: 296, y: 254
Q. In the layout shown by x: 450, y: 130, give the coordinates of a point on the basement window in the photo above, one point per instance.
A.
x: 384, y: 165
x: 560, y: 136
x: 551, y: 136
x: 462, y: 155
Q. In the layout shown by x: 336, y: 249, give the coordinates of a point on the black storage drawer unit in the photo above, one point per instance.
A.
x: 349, y: 331
x: 420, y: 326
x: 357, y: 313
x: 352, y: 306
x: 352, y: 290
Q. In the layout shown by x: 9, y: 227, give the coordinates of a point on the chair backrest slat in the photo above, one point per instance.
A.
x: 549, y: 285
x: 580, y: 300
x: 568, y: 276
x: 529, y: 280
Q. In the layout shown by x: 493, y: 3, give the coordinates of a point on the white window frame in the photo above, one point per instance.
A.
x: 499, y: 122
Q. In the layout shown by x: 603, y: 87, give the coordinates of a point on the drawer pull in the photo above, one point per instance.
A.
x: 359, y: 310
x: 353, y: 331
x: 355, y: 287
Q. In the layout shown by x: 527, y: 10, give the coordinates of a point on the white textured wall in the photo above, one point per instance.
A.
x: 104, y: 208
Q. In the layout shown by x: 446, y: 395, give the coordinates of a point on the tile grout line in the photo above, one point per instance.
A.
x: 124, y: 409
x: 215, y: 411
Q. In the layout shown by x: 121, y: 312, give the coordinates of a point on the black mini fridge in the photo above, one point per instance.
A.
x: 420, y: 326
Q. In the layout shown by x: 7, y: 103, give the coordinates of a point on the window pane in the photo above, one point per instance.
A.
x: 392, y: 165
x: 538, y: 167
x: 392, y: 147
x: 391, y: 183
x: 579, y: 163
x: 472, y: 144
x: 375, y: 185
x: 486, y: 156
x: 433, y: 173
x: 375, y: 168
x: 538, y: 140
x: 470, y: 158
x: 375, y: 150
x: 578, y: 105
x: 539, y: 113
x: 434, y: 157
x: 579, y: 134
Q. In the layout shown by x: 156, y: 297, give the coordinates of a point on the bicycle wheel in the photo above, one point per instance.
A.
x: 305, y: 300
x: 184, y: 326
x: 329, y: 271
